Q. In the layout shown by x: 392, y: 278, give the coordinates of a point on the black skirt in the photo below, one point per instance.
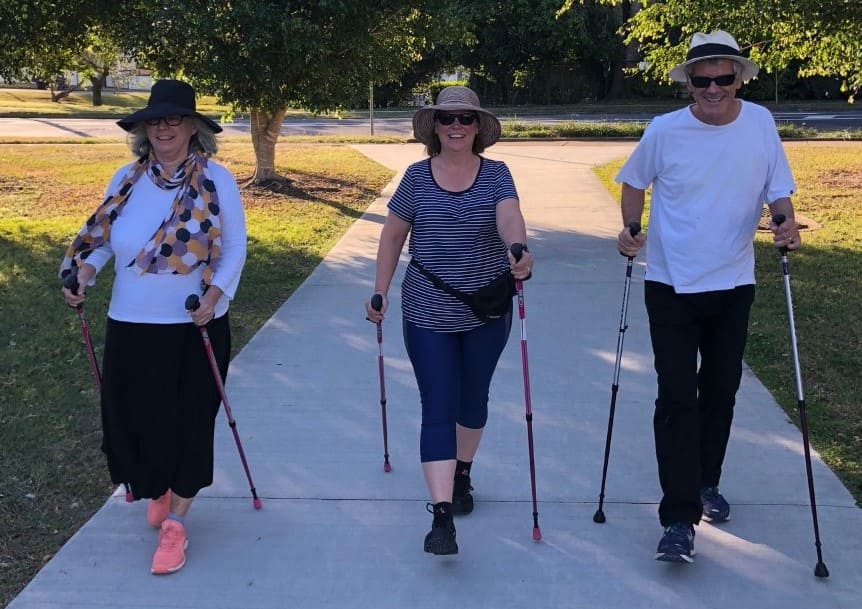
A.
x: 159, y: 404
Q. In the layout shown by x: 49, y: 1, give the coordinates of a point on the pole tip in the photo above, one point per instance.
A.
x: 537, y: 534
x: 820, y: 570
x: 386, y: 467
x: 256, y: 503
x: 599, y: 517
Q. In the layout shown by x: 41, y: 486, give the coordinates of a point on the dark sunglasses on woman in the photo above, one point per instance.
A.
x: 448, y: 119
x: 171, y: 119
x: 703, y: 82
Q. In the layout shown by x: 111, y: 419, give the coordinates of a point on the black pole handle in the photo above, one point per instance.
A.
x: 517, y: 250
x: 634, y: 229
x: 377, y: 302
x: 71, y: 283
x: 193, y: 302
x: 779, y: 219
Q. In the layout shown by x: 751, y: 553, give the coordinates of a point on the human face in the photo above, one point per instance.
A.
x: 170, y: 142
x: 714, y: 104
x: 456, y: 135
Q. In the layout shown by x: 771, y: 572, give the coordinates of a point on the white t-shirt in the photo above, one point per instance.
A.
x: 709, y: 184
x: 160, y: 298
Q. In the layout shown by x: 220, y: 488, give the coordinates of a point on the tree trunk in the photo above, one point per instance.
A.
x: 619, y: 85
x: 98, y: 81
x: 265, y: 129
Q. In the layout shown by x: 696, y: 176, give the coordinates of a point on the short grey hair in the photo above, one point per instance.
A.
x: 204, y: 141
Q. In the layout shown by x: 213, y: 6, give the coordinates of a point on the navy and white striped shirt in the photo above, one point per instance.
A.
x: 454, y: 235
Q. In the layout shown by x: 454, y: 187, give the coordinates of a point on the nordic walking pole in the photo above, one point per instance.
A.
x: 192, y: 303
x: 599, y: 516
x: 377, y: 304
x: 517, y: 251
x: 820, y: 569
x: 71, y: 283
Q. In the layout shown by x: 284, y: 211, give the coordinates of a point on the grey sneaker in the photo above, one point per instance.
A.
x: 677, y: 544
x: 715, y: 506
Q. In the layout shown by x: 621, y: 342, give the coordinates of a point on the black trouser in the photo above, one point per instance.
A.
x: 694, y: 408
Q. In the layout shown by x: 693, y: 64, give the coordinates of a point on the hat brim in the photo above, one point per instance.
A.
x: 423, y: 122
x: 162, y: 110
x: 748, y: 69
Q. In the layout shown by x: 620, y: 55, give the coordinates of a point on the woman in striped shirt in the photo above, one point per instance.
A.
x: 462, y: 214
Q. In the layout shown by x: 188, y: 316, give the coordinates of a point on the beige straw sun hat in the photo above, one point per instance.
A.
x: 455, y: 99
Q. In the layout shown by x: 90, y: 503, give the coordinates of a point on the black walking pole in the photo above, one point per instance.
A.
x: 820, y: 569
x: 71, y: 283
x: 517, y: 251
x: 599, y: 516
x: 377, y: 304
x: 192, y: 303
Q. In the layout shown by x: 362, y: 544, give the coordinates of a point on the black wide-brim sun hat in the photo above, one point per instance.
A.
x: 168, y: 97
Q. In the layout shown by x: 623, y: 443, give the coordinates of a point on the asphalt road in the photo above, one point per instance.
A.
x: 107, y: 128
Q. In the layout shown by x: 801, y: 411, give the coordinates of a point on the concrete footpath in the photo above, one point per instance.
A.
x: 335, y: 531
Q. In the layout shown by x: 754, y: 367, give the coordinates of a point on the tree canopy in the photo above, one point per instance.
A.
x: 518, y: 42
x: 263, y: 56
x: 818, y: 37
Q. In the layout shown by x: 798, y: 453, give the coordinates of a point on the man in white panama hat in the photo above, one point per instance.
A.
x: 711, y: 165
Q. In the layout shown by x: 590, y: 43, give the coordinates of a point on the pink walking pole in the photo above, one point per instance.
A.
x: 517, y: 252
x: 377, y: 304
x: 71, y: 283
x: 192, y: 303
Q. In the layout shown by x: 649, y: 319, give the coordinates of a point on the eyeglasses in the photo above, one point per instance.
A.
x: 448, y: 119
x: 171, y: 119
x: 703, y: 82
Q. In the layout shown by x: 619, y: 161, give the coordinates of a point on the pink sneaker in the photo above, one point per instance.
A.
x: 170, y: 556
x: 157, y: 509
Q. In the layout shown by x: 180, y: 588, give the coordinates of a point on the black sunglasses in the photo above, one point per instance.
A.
x: 172, y: 120
x: 703, y: 82
x: 448, y: 119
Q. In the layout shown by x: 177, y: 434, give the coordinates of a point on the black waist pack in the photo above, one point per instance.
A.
x: 489, y: 302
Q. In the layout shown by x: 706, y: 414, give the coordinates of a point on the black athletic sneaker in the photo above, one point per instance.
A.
x: 677, y: 543
x: 715, y: 506
x: 462, y: 500
x: 441, y: 539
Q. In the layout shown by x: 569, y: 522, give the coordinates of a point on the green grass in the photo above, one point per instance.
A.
x: 53, y: 473
x: 827, y: 298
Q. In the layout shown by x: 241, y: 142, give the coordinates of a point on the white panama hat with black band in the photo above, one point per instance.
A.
x: 715, y: 45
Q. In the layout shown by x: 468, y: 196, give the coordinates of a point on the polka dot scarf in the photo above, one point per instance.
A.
x: 189, y: 236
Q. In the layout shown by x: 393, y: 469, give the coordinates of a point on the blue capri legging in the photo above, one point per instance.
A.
x: 453, y: 371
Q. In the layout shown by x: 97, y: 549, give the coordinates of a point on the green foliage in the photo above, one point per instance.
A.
x: 435, y: 87
x: 41, y: 40
x: 524, y: 42
x: 821, y: 37
x: 268, y: 55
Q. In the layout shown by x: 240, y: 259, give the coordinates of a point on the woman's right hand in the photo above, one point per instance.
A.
x: 375, y: 315
x: 85, y: 274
